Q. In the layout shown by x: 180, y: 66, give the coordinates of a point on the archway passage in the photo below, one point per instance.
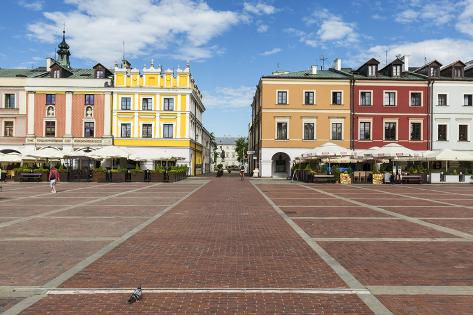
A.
x: 281, y: 165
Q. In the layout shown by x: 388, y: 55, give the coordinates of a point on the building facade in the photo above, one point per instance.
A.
x: 451, y: 104
x: 390, y: 105
x: 293, y: 112
x: 226, y: 152
x: 159, y: 112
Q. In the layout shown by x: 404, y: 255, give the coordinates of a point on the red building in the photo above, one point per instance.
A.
x: 389, y: 105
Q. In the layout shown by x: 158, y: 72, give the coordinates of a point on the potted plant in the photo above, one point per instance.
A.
x: 99, y: 175
x: 118, y: 175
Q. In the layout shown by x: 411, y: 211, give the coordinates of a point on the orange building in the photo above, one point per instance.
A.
x: 294, y: 112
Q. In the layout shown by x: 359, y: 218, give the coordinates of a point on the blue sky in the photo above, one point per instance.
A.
x: 230, y: 44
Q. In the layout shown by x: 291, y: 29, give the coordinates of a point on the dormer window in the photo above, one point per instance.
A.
x: 396, y: 70
x: 100, y: 74
x: 57, y: 74
x: 372, y: 70
x: 434, y: 72
x: 457, y: 72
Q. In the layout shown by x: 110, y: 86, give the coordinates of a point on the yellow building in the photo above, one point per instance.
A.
x: 294, y: 112
x: 158, y: 114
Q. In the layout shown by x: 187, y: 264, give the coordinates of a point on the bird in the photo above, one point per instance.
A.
x: 136, y: 295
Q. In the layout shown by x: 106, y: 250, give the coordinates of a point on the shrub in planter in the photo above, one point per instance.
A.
x: 118, y: 175
x: 137, y: 176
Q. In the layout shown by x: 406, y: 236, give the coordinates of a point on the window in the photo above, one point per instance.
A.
x: 416, y: 99
x: 337, y: 131
x: 365, y: 99
x: 309, y: 98
x: 168, y: 131
x: 89, y: 99
x: 336, y: 98
x: 281, y: 132
x: 126, y: 131
x: 89, y: 129
x: 468, y: 100
x: 396, y: 71
x: 282, y: 97
x: 50, y: 99
x: 126, y: 103
x: 457, y: 72
x: 57, y: 74
x: 50, y: 129
x: 416, y: 131
x: 462, y: 132
x: 389, y: 98
x: 168, y: 104
x: 9, y: 100
x: 365, y: 130
x: 434, y: 72
x: 100, y: 74
x: 442, y: 100
x: 390, y: 131
x: 8, y: 128
x: 147, y: 103
x: 372, y: 70
x: 147, y: 131
x: 309, y: 131
x: 442, y: 132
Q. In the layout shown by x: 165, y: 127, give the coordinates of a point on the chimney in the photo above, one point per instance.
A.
x: 405, y: 67
x: 49, y: 62
x: 337, y: 64
x: 313, y: 69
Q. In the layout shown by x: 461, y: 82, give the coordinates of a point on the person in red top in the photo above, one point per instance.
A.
x: 53, y: 179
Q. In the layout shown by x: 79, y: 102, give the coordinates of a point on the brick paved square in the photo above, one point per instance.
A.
x: 395, y: 201
x: 460, y: 225
x: 33, y: 263
x: 406, y: 263
x: 217, y: 303
x: 428, y: 304
x: 111, y: 211
x: 74, y: 227
x: 367, y: 228
x: 353, y: 211
x: 425, y: 212
x: 312, y: 202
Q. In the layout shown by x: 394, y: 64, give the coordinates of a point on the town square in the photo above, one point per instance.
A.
x: 240, y: 157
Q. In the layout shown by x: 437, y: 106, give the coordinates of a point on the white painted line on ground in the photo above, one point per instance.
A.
x: 389, y: 239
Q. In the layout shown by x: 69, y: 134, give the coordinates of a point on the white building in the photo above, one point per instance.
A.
x: 451, y: 105
x: 226, y: 152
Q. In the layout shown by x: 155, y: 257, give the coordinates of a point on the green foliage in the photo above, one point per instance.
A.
x: 159, y: 169
x: 100, y: 169
x: 179, y: 169
x: 241, y: 146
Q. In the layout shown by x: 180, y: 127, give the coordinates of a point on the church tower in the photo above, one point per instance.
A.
x: 63, y: 52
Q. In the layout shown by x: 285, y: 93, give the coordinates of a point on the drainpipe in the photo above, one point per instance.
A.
x: 431, y: 116
x: 352, y: 113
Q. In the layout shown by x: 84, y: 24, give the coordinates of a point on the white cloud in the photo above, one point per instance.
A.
x: 271, y: 52
x: 465, y: 21
x: 262, y: 28
x: 229, y: 97
x: 259, y: 8
x: 438, y: 12
x: 330, y: 28
x: 445, y: 50
x: 96, y: 28
x: 32, y: 5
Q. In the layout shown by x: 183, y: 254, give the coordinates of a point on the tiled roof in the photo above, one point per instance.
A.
x: 306, y: 74
x: 225, y: 140
x: 41, y: 73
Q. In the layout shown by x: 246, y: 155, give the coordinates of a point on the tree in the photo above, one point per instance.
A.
x: 241, y: 148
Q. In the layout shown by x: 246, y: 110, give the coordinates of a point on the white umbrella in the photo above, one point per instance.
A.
x: 448, y: 155
x: 10, y: 158
x: 330, y: 149
x: 78, y: 154
x: 393, y: 151
x: 46, y: 153
x: 109, y: 152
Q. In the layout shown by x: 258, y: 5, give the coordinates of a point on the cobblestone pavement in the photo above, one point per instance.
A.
x: 222, y: 246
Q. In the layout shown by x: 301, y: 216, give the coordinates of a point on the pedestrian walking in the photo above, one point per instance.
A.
x: 53, y: 179
x: 242, y: 172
